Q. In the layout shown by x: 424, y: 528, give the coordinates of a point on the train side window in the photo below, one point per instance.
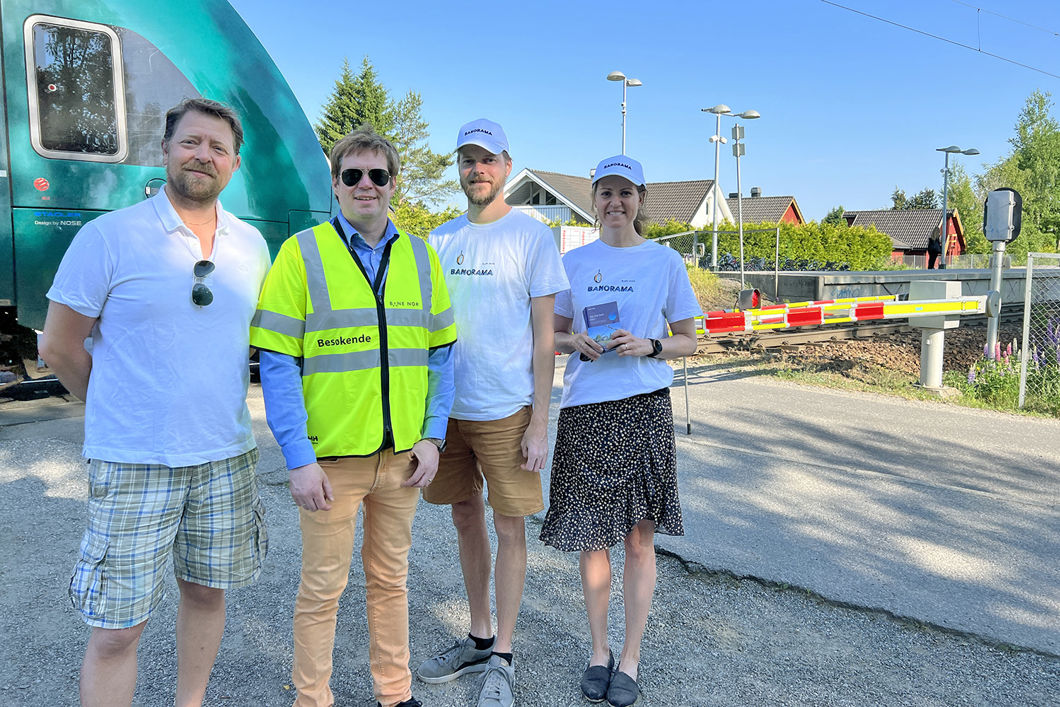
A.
x: 153, y: 85
x: 76, y: 90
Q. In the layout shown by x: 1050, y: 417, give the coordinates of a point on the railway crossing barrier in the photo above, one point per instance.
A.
x: 933, y: 307
x: 838, y: 311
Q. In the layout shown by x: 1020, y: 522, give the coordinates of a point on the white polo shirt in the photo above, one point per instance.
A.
x: 169, y: 379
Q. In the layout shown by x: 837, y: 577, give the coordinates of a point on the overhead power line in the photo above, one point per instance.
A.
x: 1054, y: 33
x: 941, y: 39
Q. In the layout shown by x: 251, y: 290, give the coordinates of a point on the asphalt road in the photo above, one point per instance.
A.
x: 841, y: 549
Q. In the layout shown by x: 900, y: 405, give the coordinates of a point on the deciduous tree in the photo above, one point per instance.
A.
x: 1032, y: 169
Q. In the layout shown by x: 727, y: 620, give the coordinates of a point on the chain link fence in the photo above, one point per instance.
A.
x: 1040, y: 359
x: 685, y: 244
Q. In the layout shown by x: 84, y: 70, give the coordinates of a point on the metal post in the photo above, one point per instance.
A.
x: 623, y: 116
x: 776, y: 268
x: 944, y: 229
x: 736, y: 145
x: 1025, y: 354
x: 995, y: 286
x: 688, y: 416
x: 932, y: 342
x: 717, y: 162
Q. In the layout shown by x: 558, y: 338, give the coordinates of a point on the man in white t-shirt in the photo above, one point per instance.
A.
x: 164, y: 292
x: 503, y: 271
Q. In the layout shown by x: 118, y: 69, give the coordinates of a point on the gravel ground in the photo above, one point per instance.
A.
x: 900, y: 351
x: 712, y: 639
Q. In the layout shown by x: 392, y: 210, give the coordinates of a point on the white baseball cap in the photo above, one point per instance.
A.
x: 620, y: 166
x: 484, y: 133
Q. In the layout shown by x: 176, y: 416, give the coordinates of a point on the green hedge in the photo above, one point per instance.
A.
x: 860, y: 248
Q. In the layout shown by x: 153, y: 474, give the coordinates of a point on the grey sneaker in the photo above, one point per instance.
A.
x: 498, y: 684
x: 461, y: 658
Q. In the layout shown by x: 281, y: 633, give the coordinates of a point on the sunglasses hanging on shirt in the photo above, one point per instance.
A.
x: 352, y: 177
x: 200, y: 293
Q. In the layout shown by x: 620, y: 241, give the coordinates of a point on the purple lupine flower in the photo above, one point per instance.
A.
x: 997, y: 350
x: 986, y: 350
x: 1034, y: 356
x: 971, y: 374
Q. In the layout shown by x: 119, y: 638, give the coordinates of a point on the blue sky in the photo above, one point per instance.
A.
x: 851, y: 107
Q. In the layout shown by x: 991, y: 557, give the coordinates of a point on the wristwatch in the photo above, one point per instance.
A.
x: 656, y: 348
x: 440, y: 443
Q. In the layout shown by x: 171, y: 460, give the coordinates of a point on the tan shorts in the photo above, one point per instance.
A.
x: 487, y: 451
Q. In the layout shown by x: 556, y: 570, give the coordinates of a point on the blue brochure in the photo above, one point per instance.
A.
x: 600, y: 321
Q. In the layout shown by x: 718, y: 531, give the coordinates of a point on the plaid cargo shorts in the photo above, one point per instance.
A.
x: 209, y: 515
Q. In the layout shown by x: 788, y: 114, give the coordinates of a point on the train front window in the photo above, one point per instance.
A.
x: 77, y: 102
x: 153, y: 85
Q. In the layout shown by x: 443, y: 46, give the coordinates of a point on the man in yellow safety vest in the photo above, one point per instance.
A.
x: 356, y: 331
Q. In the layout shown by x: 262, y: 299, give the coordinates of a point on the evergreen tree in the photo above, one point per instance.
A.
x: 835, y: 216
x: 924, y: 199
x: 898, y: 200
x: 363, y: 100
x: 356, y: 101
x: 423, y: 172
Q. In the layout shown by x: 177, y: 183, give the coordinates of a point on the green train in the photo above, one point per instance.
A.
x: 86, y: 87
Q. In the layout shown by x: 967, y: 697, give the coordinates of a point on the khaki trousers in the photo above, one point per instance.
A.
x: 327, y: 549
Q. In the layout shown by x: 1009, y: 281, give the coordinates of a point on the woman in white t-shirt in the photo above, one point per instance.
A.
x: 614, y: 475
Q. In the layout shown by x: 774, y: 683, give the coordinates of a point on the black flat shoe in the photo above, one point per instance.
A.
x: 623, y: 690
x: 596, y: 679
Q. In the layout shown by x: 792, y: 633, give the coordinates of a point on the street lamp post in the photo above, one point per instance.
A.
x: 718, y: 111
x: 619, y: 76
x: 944, y: 228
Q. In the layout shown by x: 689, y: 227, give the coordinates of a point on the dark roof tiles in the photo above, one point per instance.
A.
x: 666, y: 201
x: 909, y: 229
x: 761, y: 209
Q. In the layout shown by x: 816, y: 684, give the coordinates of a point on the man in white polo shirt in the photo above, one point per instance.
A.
x: 164, y: 292
x: 503, y: 271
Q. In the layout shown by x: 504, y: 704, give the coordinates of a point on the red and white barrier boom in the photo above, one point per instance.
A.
x: 834, y: 311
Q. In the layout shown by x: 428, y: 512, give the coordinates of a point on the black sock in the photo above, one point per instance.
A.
x: 507, y: 656
x: 482, y: 643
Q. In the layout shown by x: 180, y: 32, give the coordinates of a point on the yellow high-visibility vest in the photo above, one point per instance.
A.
x: 364, y: 358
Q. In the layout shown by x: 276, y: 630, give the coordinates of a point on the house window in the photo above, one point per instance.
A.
x: 76, y: 91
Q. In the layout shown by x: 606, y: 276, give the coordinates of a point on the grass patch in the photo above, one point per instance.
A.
x: 712, y: 292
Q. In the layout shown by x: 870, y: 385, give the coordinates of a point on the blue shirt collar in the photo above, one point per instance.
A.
x: 357, y: 241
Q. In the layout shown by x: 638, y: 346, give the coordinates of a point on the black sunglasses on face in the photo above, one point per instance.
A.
x: 200, y: 293
x: 352, y: 177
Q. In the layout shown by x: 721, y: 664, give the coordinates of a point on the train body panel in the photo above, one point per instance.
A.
x: 7, y: 244
x: 86, y: 87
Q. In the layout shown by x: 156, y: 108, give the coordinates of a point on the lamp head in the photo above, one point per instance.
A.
x: 951, y: 149
x: 720, y: 109
x: 616, y: 76
x: 749, y: 115
x: 970, y: 151
x: 634, y: 82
